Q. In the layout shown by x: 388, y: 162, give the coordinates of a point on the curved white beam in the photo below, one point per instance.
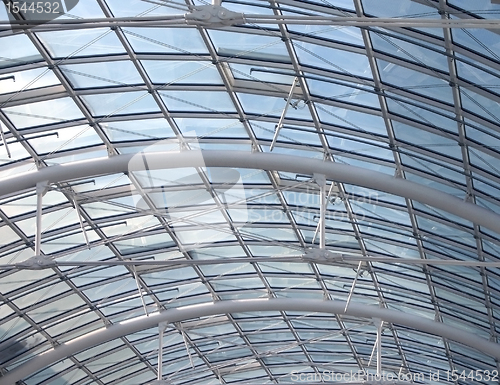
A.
x: 265, y: 161
x: 237, y: 306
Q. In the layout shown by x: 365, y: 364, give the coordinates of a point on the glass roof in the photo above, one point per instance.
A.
x: 108, y: 78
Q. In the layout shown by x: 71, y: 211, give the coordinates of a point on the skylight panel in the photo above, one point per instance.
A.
x: 81, y: 42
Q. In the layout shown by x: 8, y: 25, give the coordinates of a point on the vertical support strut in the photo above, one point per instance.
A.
x: 351, y: 292
x: 283, y: 114
x: 136, y: 277
x: 41, y: 190
x: 82, y: 227
x: 320, y: 179
x: 5, y: 141
x: 379, y: 324
x: 162, y: 326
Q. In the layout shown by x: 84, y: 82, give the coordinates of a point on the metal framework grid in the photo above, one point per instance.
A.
x: 418, y: 102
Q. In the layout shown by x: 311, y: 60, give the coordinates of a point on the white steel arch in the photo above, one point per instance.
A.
x: 222, y: 307
x: 265, y: 161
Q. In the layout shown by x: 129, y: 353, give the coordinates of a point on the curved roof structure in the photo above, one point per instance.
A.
x: 249, y: 192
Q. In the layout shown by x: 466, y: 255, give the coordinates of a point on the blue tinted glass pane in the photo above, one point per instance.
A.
x: 383, y: 168
x: 435, y: 87
x: 485, y: 161
x: 454, y: 189
x: 347, y: 143
x: 211, y: 128
x: 25, y: 80
x: 486, y: 8
x: 367, y: 209
x: 481, y: 105
x: 476, y: 72
x: 102, y: 74
x: 480, y: 40
x: 81, y: 42
x: 424, y: 115
x: 206, y: 101
x: 349, y: 35
x: 124, y: 8
x: 120, y: 103
x: 336, y: 60
x: 82, y: 9
x: 403, y: 8
x: 343, y: 93
x: 42, y: 113
x: 67, y: 138
x: 172, y: 72
x: 447, y: 144
x: 138, y: 130
x: 411, y: 51
x: 433, y: 167
x: 17, y: 49
x: 358, y: 121
x: 248, y: 45
x: 443, y: 230
x: 172, y: 40
x: 271, y: 106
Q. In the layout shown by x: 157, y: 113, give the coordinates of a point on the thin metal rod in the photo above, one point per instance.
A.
x: 379, y: 347
x: 326, y: 203
x: 140, y: 291
x: 161, y: 329
x: 351, y: 292
x: 80, y: 219
x: 283, y: 114
x: 41, y: 188
x: 2, y: 134
x: 187, y: 348
x: 322, y: 211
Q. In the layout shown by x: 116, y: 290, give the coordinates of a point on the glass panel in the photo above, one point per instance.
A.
x: 446, y: 144
x: 359, y: 95
x: 435, y: 87
x: 169, y: 40
x: 42, y: 113
x: 17, y: 49
x: 439, y: 119
x: 120, y: 103
x: 249, y: 45
x: 404, y: 8
x: 27, y: 80
x: 182, y: 72
x: 346, y: 63
x: 359, y: 121
x: 103, y: 74
x: 206, y: 101
x: 481, y: 105
x: 410, y: 49
x: 65, y: 139
x: 81, y: 42
x: 480, y: 40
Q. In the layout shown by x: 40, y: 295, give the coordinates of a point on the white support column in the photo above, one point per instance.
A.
x: 379, y: 324
x: 321, y: 181
x: 120, y: 329
x: 4, y: 140
x: 162, y: 326
x: 41, y: 190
